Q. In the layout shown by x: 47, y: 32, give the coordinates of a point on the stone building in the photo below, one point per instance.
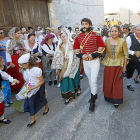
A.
x: 51, y: 13
x: 70, y: 12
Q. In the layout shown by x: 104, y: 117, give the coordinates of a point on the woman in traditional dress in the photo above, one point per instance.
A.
x: 48, y: 49
x: 115, y: 66
x: 68, y: 64
x: 35, y: 97
x: 3, y: 41
x: 34, y: 49
x: 15, y: 48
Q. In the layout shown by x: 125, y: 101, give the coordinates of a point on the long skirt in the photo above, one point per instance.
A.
x: 7, y: 92
x: 113, y: 85
x: 1, y: 103
x: 1, y: 108
x: 18, y: 105
x: 69, y: 86
x: 48, y: 73
x: 36, y: 102
x: 14, y: 72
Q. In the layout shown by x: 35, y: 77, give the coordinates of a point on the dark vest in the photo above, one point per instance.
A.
x: 44, y: 53
x: 36, y: 51
x: 134, y: 47
x: 135, y: 43
x: 49, y: 46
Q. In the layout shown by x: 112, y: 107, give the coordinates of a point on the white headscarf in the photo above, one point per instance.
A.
x: 74, y: 61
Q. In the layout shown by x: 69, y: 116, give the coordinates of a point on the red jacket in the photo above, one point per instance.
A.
x: 91, y: 45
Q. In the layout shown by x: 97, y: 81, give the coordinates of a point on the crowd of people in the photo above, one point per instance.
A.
x: 26, y: 59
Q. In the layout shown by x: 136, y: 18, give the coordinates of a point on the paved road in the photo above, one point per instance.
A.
x: 74, y: 122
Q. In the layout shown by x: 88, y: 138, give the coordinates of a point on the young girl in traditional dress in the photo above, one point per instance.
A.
x: 5, y: 85
x: 4, y: 76
x: 35, y: 99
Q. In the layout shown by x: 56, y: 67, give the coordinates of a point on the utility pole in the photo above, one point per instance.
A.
x: 129, y: 16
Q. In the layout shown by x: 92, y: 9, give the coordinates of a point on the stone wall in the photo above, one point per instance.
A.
x: 70, y: 12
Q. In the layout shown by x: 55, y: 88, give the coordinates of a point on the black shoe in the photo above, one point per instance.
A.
x: 78, y: 94
x: 92, y: 103
x: 31, y: 124
x: 137, y: 82
x: 81, y: 76
x: 95, y: 98
x: 5, y: 121
x: 55, y: 82
x: 67, y: 101
x: 130, y: 88
x: 10, y: 103
x: 50, y: 83
x: 116, y: 106
x: 44, y: 113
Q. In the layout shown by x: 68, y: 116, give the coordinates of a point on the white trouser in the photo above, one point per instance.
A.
x: 2, y: 117
x: 91, y: 69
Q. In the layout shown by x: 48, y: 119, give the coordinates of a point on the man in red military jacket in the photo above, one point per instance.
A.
x: 89, y: 46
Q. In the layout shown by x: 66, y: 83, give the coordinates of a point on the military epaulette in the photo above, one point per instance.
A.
x: 74, y: 36
x: 97, y: 33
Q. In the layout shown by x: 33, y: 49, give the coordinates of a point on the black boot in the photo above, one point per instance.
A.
x: 92, y: 103
x: 50, y: 83
x: 55, y: 81
x: 95, y: 98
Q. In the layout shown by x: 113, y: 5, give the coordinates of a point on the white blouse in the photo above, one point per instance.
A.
x: 47, y: 50
x: 6, y: 76
x: 34, y: 73
x: 26, y: 75
x: 35, y: 46
x: 104, y: 38
x: 129, y: 43
x: 30, y: 76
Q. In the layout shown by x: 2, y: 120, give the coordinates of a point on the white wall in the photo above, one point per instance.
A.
x: 70, y: 12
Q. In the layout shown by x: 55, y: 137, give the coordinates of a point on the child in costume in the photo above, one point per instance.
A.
x: 35, y: 98
x: 6, y: 89
x: 4, y: 76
